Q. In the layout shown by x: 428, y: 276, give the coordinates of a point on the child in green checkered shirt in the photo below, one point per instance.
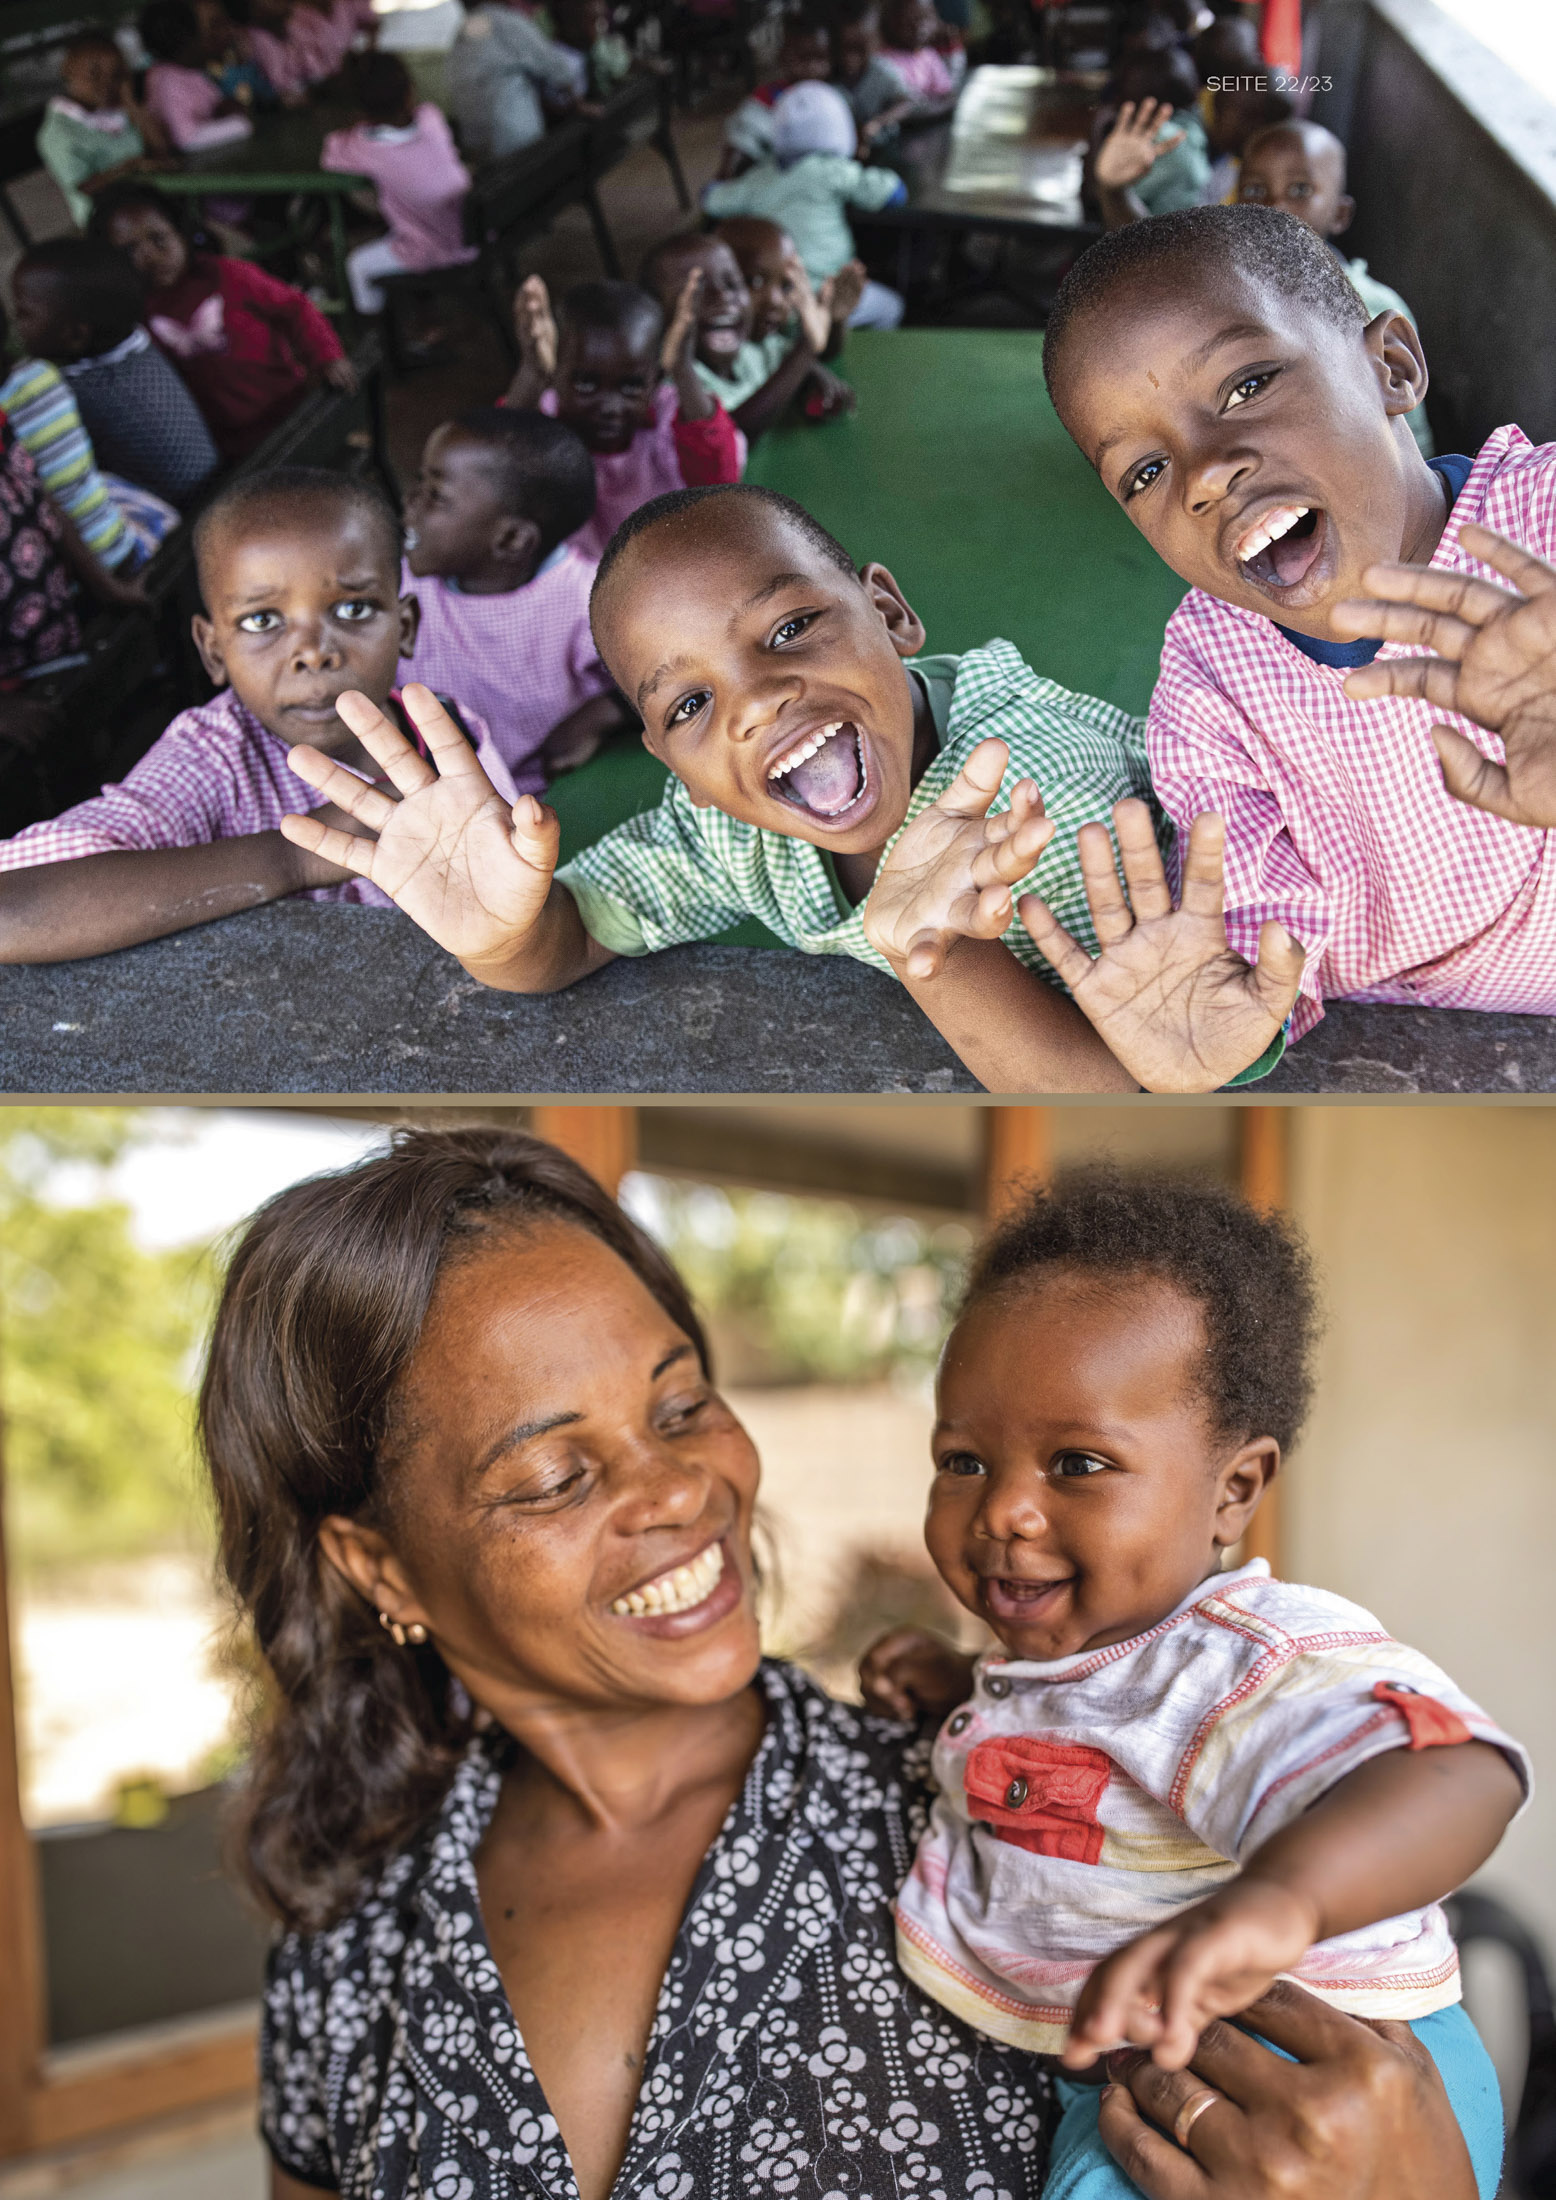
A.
x: 827, y: 778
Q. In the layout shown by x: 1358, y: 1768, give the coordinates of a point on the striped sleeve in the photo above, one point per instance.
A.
x: 37, y: 401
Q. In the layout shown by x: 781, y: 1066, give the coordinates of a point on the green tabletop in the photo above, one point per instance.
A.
x: 956, y: 474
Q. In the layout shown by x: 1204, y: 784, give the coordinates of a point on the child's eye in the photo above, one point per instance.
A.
x: 584, y: 385
x: 960, y: 1462
x: 355, y: 609
x: 687, y: 708
x: 259, y: 622
x: 791, y: 629
x: 1144, y: 477
x: 1075, y: 1466
x: 1249, y: 386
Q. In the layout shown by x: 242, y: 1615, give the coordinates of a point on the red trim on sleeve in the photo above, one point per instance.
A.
x: 707, y: 450
x: 1431, y: 1724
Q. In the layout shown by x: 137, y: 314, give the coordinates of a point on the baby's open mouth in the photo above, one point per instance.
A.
x: 722, y: 336
x: 823, y: 773
x: 1282, y: 546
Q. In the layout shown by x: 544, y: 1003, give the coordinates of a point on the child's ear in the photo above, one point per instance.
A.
x: 210, y: 650
x: 898, y: 616
x: 410, y: 624
x: 1396, y: 348
x: 1242, y: 1483
x: 1343, y: 210
x: 517, y: 541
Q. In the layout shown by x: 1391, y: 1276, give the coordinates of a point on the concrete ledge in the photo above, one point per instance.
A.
x: 315, y: 998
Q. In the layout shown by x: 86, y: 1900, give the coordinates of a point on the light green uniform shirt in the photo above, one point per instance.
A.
x: 679, y: 873
x: 72, y: 150
x: 1378, y: 298
x: 808, y: 199
x: 1181, y: 177
x: 754, y: 365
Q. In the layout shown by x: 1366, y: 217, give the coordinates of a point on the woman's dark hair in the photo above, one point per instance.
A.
x: 321, y: 1312
x: 1250, y: 1274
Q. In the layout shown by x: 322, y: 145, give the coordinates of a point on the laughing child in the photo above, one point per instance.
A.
x: 1170, y: 1784
x: 494, y: 563
x: 784, y: 302
x: 785, y: 691
x: 95, y: 132
x: 298, y: 572
x: 754, y: 380
x: 605, y: 364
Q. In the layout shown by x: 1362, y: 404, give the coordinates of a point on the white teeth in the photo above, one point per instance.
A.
x: 680, y: 1590
x: 802, y: 749
x: 1270, y: 529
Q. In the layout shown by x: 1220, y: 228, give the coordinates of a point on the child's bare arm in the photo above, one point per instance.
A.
x: 475, y: 875
x: 1170, y: 998
x: 912, y: 1674
x: 779, y: 390
x: 678, y: 353
x: 59, y: 912
x: 1400, y: 1832
x: 1495, y: 663
x: 534, y: 326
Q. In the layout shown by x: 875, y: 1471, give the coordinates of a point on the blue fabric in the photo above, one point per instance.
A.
x: 1081, y: 2167
x: 1455, y: 470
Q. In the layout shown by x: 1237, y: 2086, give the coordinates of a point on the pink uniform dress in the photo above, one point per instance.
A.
x: 215, y: 774
x: 245, y: 344
x: 185, y: 101
x: 282, y: 59
x: 925, y: 73
x: 1337, y: 820
x: 420, y: 180
x: 322, y: 42
x: 672, y: 454
x: 525, y: 657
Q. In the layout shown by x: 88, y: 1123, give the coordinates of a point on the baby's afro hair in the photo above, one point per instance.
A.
x: 623, y: 308
x: 1273, y: 249
x: 1250, y: 1275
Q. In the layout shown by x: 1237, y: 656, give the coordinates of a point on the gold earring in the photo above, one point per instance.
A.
x: 416, y: 1633
x: 392, y: 1627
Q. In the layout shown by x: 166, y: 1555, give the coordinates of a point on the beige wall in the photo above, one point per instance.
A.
x: 1426, y: 1487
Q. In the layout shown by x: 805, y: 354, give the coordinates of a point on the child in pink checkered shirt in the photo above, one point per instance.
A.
x: 299, y: 574
x: 1228, y: 384
x: 605, y: 364
x: 495, y: 560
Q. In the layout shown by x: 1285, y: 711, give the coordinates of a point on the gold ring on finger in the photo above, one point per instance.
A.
x: 1191, y: 2111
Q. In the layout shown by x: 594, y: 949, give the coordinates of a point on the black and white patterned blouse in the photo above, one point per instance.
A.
x: 788, y: 2057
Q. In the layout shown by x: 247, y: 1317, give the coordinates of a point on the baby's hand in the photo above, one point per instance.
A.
x: 1495, y: 663
x: 1211, y: 1961
x: 1178, y: 1007
x: 910, y: 1674
x: 841, y: 293
x: 473, y: 874
x: 950, y: 875
x: 1131, y: 149
x: 535, y: 326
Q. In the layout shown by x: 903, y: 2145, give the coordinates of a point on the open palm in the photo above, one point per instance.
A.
x: 472, y: 873
x: 1178, y: 1007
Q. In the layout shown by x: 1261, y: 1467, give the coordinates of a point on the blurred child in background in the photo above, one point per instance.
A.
x: 408, y: 150
x: 229, y: 62
x: 79, y: 303
x: 265, y: 28
x: 805, y: 188
x: 249, y: 347
x: 876, y: 94
x: 924, y: 51
x: 503, y: 587
x: 324, y: 32
x: 1152, y: 155
x: 755, y: 381
x: 188, y: 102
x: 42, y: 560
x: 805, y: 57
x: 503, y: 72
x: 1299, y: 167
x: 602, y: 58
x: 783, y: 303
x: 605, y: 366
x: 94, y: 130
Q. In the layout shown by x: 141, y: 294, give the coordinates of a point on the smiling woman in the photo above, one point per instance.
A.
x: 581, y: 1896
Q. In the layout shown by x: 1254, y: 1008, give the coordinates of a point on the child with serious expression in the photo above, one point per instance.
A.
x: 786, y: 693
x: 1170, y: 1784
x: 299, y: 573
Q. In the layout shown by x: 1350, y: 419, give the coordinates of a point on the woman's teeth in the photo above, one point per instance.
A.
x: 802, y: 750
x: 1270, y: 529
x: 680, y: 1590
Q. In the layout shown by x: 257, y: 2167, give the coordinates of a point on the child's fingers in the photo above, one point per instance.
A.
x: 1473, y: 778
x: 384, y: 743
x: 1065, y: 956
x: 1203, y: 887
x: 1122, y: 1990
x: 348, y: 851
x: 1144, y: 872
x: 1278, y: 970
x: 1362, y: 616
x: 926, y: 955
x: 536, y: 832
x: 368, y: 804
x: 1529, y: 574
x: 1434, y: 679
x: 977, y: 783
x: 1110, y: 914
x: 1462, y: 594
x: 1006, y: 860
x: 452, y: 753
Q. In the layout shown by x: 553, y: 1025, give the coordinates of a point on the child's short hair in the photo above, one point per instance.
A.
x: 623, y: 308
x: 91, y: 42
x: 544, y: 470
x: 104, y: 289
x: 1272, y: 248
x: 651, y: 267
x: 1250, y: 1274
x: 168, y: 28
x: 380, y: 85
x: 134, y: 198
x: 676, y: 502
x: 1159, y: 72
x: 299, y: 487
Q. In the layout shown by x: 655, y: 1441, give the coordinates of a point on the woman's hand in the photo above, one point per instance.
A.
x: 1178, y: 1007
x: 911, y: 1674
x: 1360, y: 2114
x: 1495, y: 663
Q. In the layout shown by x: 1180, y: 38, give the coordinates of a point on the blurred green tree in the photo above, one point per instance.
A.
x: 99, y: 1341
